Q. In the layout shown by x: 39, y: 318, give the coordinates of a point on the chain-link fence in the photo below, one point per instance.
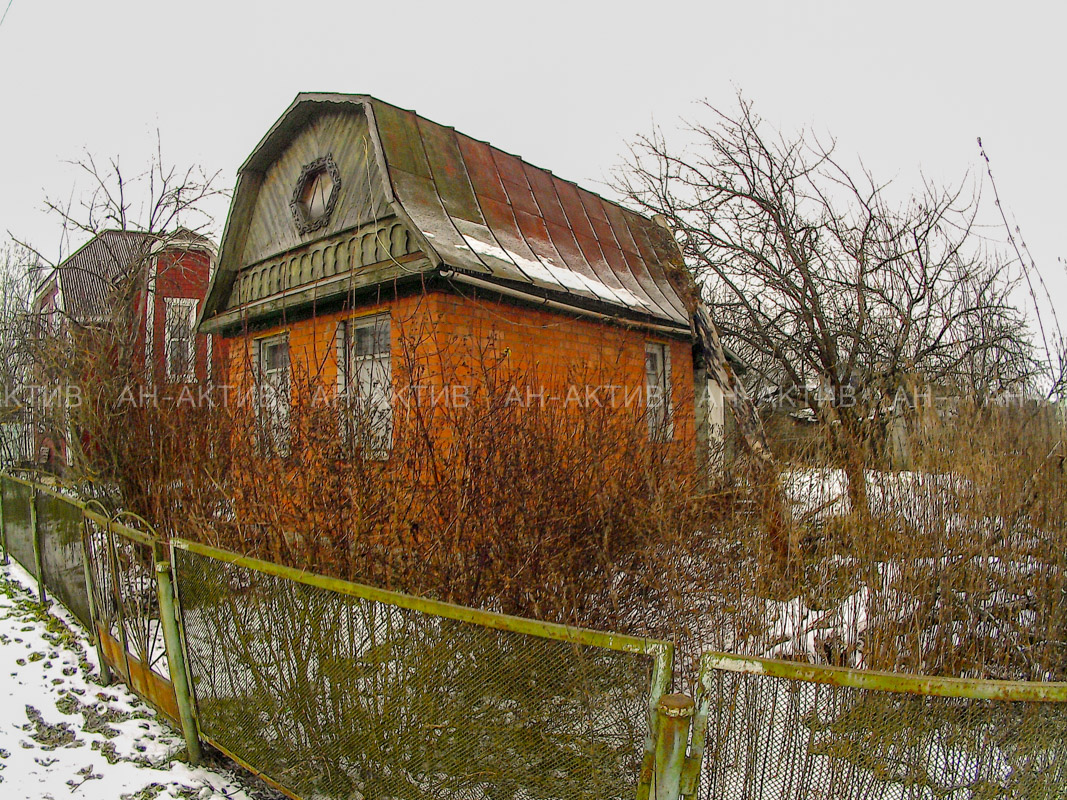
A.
x: 786, y: 730
x: 18, y: 526
x: 337, y: 690
x: 60, y: 526
x: 331, y: 689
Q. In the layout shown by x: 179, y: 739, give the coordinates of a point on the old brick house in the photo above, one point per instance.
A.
x: 356, y: 227
x: 156, y: 284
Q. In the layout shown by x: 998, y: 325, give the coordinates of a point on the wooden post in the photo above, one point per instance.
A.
x: 36, y: 532
x: 674, y: 715
x: 105, y: 671
x: 3, y: 522
x: 179, y: 675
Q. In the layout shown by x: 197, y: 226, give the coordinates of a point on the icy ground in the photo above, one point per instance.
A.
x: 64, y: 735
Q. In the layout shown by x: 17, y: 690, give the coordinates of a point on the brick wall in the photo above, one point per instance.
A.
x: 443, y: 338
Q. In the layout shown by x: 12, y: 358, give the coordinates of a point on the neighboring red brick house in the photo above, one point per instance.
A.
x: 164, y: 278
x: 357, y: 228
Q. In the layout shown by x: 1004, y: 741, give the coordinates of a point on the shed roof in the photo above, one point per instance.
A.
x: 478, y: 209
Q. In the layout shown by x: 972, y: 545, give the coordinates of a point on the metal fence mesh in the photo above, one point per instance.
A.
x: 783, y: 738
x: 333, y: 695
x: 60, y: 526
x: 17, y: 524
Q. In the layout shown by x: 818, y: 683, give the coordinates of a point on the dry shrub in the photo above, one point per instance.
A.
x: 543, y: 508
x: 570, y: 513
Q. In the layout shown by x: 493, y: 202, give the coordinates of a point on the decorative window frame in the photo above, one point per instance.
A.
x: 180, y: 307
x: 304, y: 223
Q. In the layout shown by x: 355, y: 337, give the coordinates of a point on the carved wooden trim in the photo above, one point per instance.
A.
x: 343, y: 253
x: 305, y: 224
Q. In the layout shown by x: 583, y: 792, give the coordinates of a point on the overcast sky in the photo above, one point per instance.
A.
x: 908, y: 86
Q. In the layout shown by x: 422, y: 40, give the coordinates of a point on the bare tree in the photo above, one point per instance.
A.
x: 99, y: 345
x: 816, y: 279
x: 17, y: 270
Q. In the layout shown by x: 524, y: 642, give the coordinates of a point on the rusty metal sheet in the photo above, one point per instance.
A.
x: 157, y: 690
x: 609, y: 246
x: 501, y: 219
x: 535, y: 232
x: 512, y: 175
x: 485, y: 245
x: 559, y: 229
x: 419, y: 199
x: 636, y: 263
x: 545, y: 194
x: 398, y: 132
x: 499, y: 214
x: 449, y: 171
x: 587, y: 240
x: 572, y: 206
x: 478, y: 156
x: 658, y: 271
x: 457, y: 197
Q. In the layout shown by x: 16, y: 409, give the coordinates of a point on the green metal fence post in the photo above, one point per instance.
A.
x: 36, y: 531
x: 673, y: 715
x: 179, y: 676
x: 3, y: 522
x: 105, y: 670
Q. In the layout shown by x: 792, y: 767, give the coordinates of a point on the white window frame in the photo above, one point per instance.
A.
x: 180, y: 311
x: 272, y: 394
x: 365, y: 383
x: 658, y: 402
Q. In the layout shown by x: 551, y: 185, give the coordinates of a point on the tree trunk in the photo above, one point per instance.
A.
x: 774, y: 505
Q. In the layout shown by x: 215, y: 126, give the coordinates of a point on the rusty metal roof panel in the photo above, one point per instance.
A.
x: 478, y: 156
x: 657, y: 268
x: 609, y: 247
x: 501, y: 218
x: 89, y: 277
x: 398, y: 132
x: 587, y: 239
x: 420, y: 200
x: 638, y: 268
x: 449, y: 171
x: 486, y: 210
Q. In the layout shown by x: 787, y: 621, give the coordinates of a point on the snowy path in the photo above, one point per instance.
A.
x: 64, y: 735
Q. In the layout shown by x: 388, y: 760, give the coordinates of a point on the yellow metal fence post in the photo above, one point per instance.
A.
x: 3, y: 522
x: 37, y: 560
x: 179, y: 675
x: 673, y: 715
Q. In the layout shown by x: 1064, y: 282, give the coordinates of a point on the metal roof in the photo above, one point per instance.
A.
x: 481, y: 210
x: 88, y: 277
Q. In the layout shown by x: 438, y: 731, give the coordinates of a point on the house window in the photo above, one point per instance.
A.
x: 179, y: 346
x: 365, y: 384
x: 272, y: 392
x: 658, y: 392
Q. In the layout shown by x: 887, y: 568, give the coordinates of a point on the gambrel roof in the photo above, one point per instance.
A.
x: 87, y: 278
x: 479, y: 211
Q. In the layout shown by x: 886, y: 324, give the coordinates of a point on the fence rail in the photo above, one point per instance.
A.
x: 329, y: 689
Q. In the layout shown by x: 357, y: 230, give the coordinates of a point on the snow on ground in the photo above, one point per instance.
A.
x: 63, y: 734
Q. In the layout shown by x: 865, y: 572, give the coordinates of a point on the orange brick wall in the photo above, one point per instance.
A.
x: 449, y: 338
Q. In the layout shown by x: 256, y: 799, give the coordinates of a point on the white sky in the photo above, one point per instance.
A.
x: 905, y: 85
